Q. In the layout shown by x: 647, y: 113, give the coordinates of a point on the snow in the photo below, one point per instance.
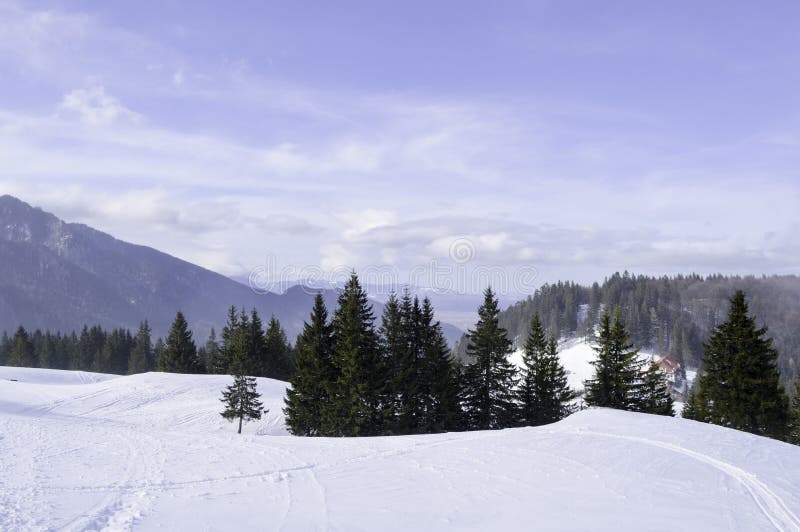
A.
x: 151, y: 452
x: 576, y: 356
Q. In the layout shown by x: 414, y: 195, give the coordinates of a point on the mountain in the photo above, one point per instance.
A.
x: 150, y: 451
x: 59, y: 276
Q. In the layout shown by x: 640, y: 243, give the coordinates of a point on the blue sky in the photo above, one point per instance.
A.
x: 575, y: 138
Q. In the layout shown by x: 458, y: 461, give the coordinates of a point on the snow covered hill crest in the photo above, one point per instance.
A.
x: 85, y: 451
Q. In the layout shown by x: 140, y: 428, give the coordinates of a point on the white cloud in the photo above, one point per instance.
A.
x: 178, y: 77
x: 95, y: 106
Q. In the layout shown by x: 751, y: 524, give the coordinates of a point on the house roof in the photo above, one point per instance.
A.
x: 667, y: 363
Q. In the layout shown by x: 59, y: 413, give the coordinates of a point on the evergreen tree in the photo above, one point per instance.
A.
x: 543, y: 395
x: 180, y: 351
x: 654, y: 395
x: 616, y: 383
x: 357, y: 395
x: 308, y: 395
x: 46, y: 352
x: 256, y: 356
x: 221, y: 363
x: 695, y: 407
x: 793, y: 434
x: 114, y: 356
x: 90, y: 346
x: 396, y: 334
x: 489, y: 381
x: 142, y: 357
x: 440, y: 391
x: 21, y: 350
x: 741, y: 387
x: 209, y: 353
x: 241, y: 399
x: 278, y: 353
x: 5, y: 349
x: 158, y: 352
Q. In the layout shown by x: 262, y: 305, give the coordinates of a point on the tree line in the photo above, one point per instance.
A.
x: 356, y: 378
x: 267, y: 352
x: 669, y: 315
x: 351, y: 376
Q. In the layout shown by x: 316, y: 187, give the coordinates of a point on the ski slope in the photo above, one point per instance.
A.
x: 94, y: 452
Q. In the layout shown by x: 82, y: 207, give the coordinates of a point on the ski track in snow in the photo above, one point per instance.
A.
x: 771, y: 505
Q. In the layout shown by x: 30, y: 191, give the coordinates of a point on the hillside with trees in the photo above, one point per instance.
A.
x: 668, y: 315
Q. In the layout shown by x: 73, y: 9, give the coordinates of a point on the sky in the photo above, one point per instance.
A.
x: 535, y: 140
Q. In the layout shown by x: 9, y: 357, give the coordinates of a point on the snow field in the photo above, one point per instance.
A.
x: 151, y: 452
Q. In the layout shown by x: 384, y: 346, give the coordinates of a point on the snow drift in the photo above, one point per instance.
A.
x: 88, y: 452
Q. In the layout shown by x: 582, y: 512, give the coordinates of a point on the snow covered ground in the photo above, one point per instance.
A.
x: 84, y: 452
x: 576, y: 356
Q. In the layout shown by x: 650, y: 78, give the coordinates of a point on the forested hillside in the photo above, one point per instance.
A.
x: 669, y: 315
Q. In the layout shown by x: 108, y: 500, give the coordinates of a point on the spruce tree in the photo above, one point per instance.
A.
x: 307, y: 397
x: 221, y: 362
x: 543, y: 395
x: 695, y: 407
x: 142, y: 358
x: 180, y: 352
x: 740, y: 387
x: 793, y: 433
x: 616, y: 382
x: 399, y: 358
x: 210, y: 351
x: 654, y: 395
x: 22, y: 353
x: 440, y: 392
x: 278, y: 353
x: 489, y: 381
x: 255, y: 345
x: 5, y: 349
x: 358, y: 395
x: 241, y: 399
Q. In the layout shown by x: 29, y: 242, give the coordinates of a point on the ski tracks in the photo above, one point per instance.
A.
x: 121, y: 507
x: 770, y: 504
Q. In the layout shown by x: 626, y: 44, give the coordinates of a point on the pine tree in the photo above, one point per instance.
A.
x: 113, y: 357
x: 793, y: 433
x: 440, y: 392
x: 695, y: 407
x: 5, y: 349
x: 256, y: 357
x: 654, y: 395
x: 308, y: 395
x: 221, y: 363
x: 278, y: 353
x: 490, y: 380
x: 180, y: 352
x: 209, y: 353
x: 616, y: 381
x: 90, y: 346
x: 158, y: 352
x: 241, y: 399
x: 399, y: 358
x: 740, y: 387
x: 142, y: 357
x: 357, y: 396
x: 22, y: 353
x: 544, y: 395
x: 46, y: 353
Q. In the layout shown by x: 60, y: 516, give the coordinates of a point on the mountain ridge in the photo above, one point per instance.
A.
x: 59, y: 275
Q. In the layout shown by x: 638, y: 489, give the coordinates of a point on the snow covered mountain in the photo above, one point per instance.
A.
x: 82, y: 451
x: 59, y: 276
